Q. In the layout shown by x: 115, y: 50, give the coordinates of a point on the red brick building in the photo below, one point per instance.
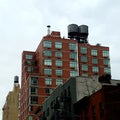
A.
x: 55, y: 60
x: 102, y: 105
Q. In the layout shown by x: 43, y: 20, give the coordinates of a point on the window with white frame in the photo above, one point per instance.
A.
x: 47, y: 71
x: 30, y: 69
x: 73, y: 55
x: 83, y: 50
x: 105, y: 53
x: 30, y: 117
x: 47, y: 53
x: 58, y: 63
x: 95, y: 69
x: 48, y: 62
x: 106, y: 62
x: 59, y: 72
x: 72, y: 46
x: 47, y: 44
x: 58, y: 45
x: 73, y: 64
x: 84, y: 67
x: 94, y: 52
x: 58, y: 54
x: 48, y: 81
x: 59, y: 81
x: 94, y: 60
x: 73, y: 73
x: 84, y: 59
x: 107, y: 70
x: 29, y: 56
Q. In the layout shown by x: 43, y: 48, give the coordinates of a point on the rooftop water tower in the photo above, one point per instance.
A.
x: 79, y: 33
x: 16, y: 81
x: 83, y: 34
x: 72, y: 31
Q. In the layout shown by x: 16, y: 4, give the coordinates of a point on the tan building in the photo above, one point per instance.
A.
x: 10, y: 108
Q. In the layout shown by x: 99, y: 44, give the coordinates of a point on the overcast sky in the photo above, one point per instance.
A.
x: 23, y: 24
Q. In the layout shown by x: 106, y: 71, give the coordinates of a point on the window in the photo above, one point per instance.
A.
x: 47, y: 112
x: 95, y: 69
x: 52, y: 104
x: 28, y: 56
x: 30, y: 69
x: 73, y: 55
x: 94, y: 61
x: 106, y: 62
x: 107, y: 70
x: 30, y: 117
x: 58, y: 63
x: 59, y: 81
x: 47, y: 53
x: 83, y: 50
x: 33, y: 90
x: 30, y: 108
x: 48, y: 81
x: 48, y: 90
x: 58, y: 54
x: 48, y: 62
x: 69, y: 91
x: 34, y: 81
x: 58, y: 45
x: 29, y: 62
x: 34, y: 99
x: 72, y: 46
x: 84, y: 75
x: 73, y: 73
x: 47, y: 44
x: 84, y: 67
x: 101, y: 108
x: 93, y: 113
x: 47, y: 71
x: 59, y: 72
x: 84, y: 59
x: 94, y: 52
x: 105, y: 53
x: 73, y: 64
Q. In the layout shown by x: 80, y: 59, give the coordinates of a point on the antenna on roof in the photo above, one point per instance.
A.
x: 48, y: 30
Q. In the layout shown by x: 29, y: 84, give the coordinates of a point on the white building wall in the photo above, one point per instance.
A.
x: 85, y: 86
